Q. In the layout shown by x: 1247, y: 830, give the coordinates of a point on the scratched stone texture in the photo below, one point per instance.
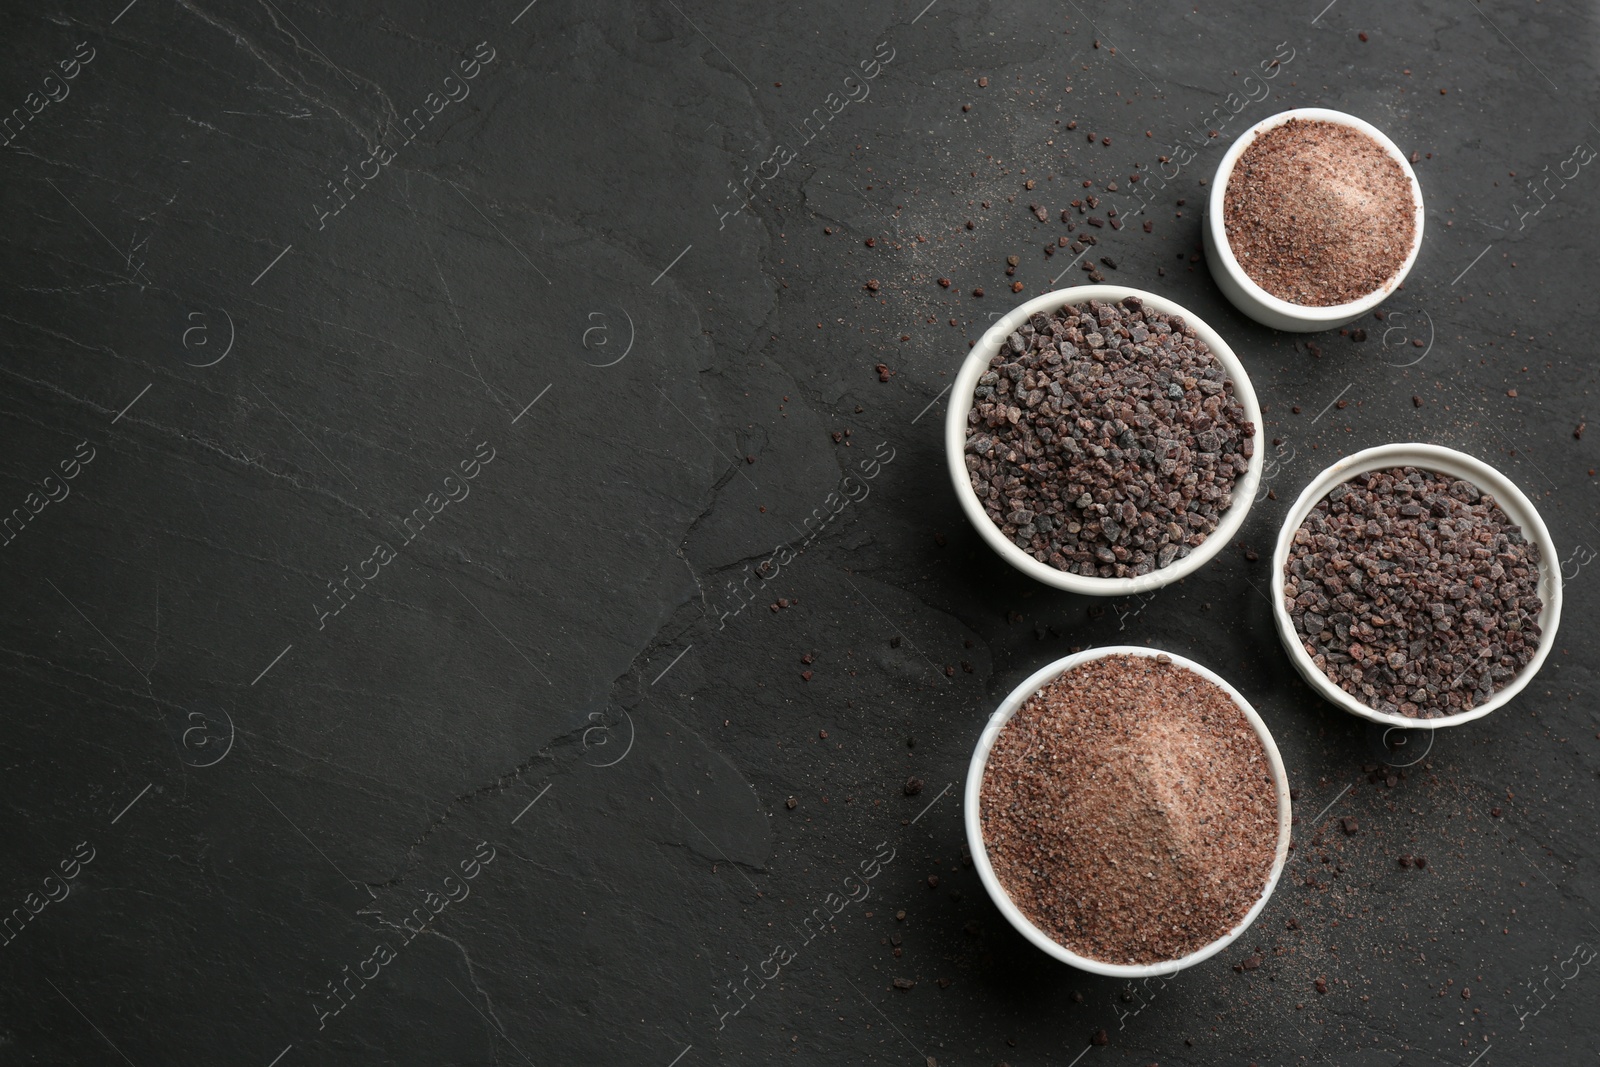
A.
x: 398, y: 401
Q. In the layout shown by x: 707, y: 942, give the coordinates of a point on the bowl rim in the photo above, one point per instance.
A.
x: 977, y: 361
x: 991, y: 882
x: 1329, y: 314
x: 1512, y: 501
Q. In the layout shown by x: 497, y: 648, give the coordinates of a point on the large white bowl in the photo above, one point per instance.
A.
x: 1518, y: 508
x: 1255, y: 301
x: 980, y: 854
x: 955, y: 442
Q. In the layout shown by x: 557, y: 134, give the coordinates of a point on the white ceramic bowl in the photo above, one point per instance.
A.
x: 980, y: 854
x: 1255, y: 301
x: 955, y: 441
x: 1444, y: 461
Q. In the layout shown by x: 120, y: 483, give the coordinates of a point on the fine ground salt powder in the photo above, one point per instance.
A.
x: 1317, y: 213
x: 1129, y: 811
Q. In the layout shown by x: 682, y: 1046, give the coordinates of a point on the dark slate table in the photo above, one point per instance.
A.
x: 399, y: 399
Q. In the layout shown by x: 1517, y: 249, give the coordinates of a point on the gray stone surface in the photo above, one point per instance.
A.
x: 557, y: 687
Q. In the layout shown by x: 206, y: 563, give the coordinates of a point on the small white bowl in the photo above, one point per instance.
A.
x: 1255, y: 301
x: 1443, y: 461
x: 955, y: 443
x: 980, y: 853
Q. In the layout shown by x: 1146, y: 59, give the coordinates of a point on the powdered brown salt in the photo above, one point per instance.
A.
x: 1318, y: 213
x: 1129, y: 812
